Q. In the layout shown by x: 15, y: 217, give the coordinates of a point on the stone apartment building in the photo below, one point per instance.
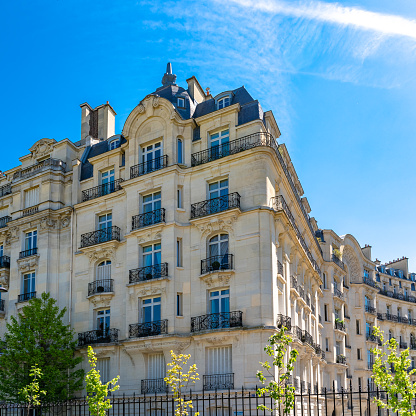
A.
x: 189, y: 231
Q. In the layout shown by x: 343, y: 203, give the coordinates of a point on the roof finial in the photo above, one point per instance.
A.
x: 168, y: 78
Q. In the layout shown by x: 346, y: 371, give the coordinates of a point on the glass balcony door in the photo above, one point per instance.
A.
x: 107, y: 182
x: 152, y: 258
x: 105, y: 223
x: 218, y: 252
x: 151, y: 310
x: 218, y: 200
x: 103, y: 322
x: 29, y: 280
x: 220, y: 144
x: 151, y: 157
x: 219, y: 302
x: 152, y: 202
x: 31, y: 240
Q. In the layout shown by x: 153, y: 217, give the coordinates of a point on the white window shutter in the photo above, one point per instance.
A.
x: 31, y: 197
x: 103, y: 366
x: 104, y: 272
x: 219, y: 360
x: 156, y: 366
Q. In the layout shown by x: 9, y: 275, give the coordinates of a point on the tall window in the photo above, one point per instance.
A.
x: 218, y: 252
x: 156, y: 366
x: 103, y: 322
x: 218, y: 192
x: 179, y: 252
x: 370, y: 359
x: 103, y: 366
x: 152, y: 202
x: 31, y: 197
x: 326, y: 314
x: 105, y: 221
x: 338, y: 349
x: 220, y: 144
x: 151, y: 157
x: 151, y: 309
x: 219, y: 301
x: 181, y: 102
x: 367, y: 301
x: 1, y: 250
x: 324, y: 278
x: 152, y: 254
x: 368, y: 328
x: 29, y: 280
x: 31, y: 240
x: 179, y: 304
x: 357, y: 327
x: 107, y: 181
x: 180, y: 150
x: 219, y: 360
x: 104, y: 270
x: 180, y: 197
x: 223, y: 102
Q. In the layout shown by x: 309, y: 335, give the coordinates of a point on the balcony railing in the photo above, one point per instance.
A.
x: 218, y: 381
x: 100, y: 236
x: 149, y: 166
x: 215, y: 205
x: 30, y: 211
x: 2, y: 308
x: 279, y: 268
x: 217, y: 263
x: 148, y: 329
x: 339, y: 325
x: 27, y: 253
x: 338, y: 294
x: 372, y: 338
x: 24, y: 297
x: 4, y: 221
x: 279, y: 204
x: 371, y: 309
x: 284, y: 321
x: 100, y: 190
x: 148, y: 218
x: 307, y: 338
x: 155, y: 385
x: 341, y: 359
x: 53, y: 164
x: 4, y: 262
x: 143, y: 274
x: 5, y: 189
x: 370, y: 282
x: 403, y: 345
x: 400, y: 296
x: 100, y: 286
x: 338, y: 261
x: 220, y: 320
x: 98, y: 336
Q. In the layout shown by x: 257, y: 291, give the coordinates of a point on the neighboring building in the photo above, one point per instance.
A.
x: 189, y: 231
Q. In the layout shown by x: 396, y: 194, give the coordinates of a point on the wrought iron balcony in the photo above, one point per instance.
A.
x: 370, y: 282
x: 370, y: 337
x: 155, y: 385
x: 4, y: 221
x: 100, y: 286
x: 100, y: 190
x: 370, y: 365
x: 370, y: 309
x: 217, y: 321
x: 412, y: 345
x: 2, y: 308
x: 148, y: 329
x: 279, y: 204
x: 53, y: 164
x: 297, y: 332
x: 24, y: 297
x: 338, y: 261
x: 403, y: 345
x: 338, y: 294
x: 284, y: 321
x: 399, y: 296
x: 27, y: 253
x: 4, y: 262
x: 339, y: 325
x: 218, y: 381
x: 149, y: 166
x: 215, y: 205
x: 279, y: 268
x: 143, y: 274
x: 148, y: 218
x: 341, y: 359
x: 217, y: 263
x: 5, y: 189
x: 100, y: 236
x: 98, y: 336
x: 307, y: 338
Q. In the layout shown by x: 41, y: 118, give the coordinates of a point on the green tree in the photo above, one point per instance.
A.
x: 278, y: 388
x: 391, y: 374
x: 97, y: 392
x: 37, y: 336
x: 31, y: 393
x: 178, y: 380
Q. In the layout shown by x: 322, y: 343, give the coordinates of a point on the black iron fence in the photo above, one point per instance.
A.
x: 148, y: 218
x: 220, y: 399
x: 148, y: 273
x: 149, y: 166
x: 100, y: 286
x: 24, y: 297
x: 215, y: 205
x: 155, y: 385
x: 217, y: 263
x: 4, y: 221
x: 217, y: 320
x: 147, y: 329
x: 98, y: 336
x: 100, y: 236
x: 100, y: 190
x: 27, y: 253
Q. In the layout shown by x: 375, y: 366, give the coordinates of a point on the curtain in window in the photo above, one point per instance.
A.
x: 156, y: 366
x: 31, y: 197
x: 219, y: 360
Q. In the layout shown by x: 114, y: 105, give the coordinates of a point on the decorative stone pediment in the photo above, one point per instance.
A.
x: 225, y: 222
x: 28, y: 263
x: 42, y: 148
x: 101, y: 252
x: 217, y: 279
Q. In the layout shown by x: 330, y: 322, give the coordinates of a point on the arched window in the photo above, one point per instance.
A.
x: 180, y: 151
x: 103, y: 270
x: 223, y: 102
x: 218, y: 257
x: 103, y: 282
x: 114, y: 144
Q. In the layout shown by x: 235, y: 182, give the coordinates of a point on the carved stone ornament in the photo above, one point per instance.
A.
x: 102, y: 300
x: 28, y: 263
x: 216, y: 224
x: 151, y: 235
x: 101, y: 253
x: 141, y: 108
x: 4, y: 278
x: 47, y: 222
x: 155, y: 101
x: 351, y: 260
x: 65, y: 221
x: 146, y: 291
x: 42, y: 148
x: 13, y: 234
x: 217, y: 279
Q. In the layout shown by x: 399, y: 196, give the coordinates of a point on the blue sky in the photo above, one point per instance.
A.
x: 340, y: 78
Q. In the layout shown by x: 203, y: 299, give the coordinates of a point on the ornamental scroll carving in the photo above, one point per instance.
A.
x: 101, y: 254
x: 155, y: 101
x: 351, y: 260
x: 216, y: 224
x: 28, y: 264
x: 42, y: 148
x: 216, y: 279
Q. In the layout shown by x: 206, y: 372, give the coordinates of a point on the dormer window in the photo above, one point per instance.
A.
x: 181, y: 102
x: 223, y: 102
x: 114, y: 144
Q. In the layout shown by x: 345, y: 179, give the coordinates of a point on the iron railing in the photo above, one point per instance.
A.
x: 148, y: 273
x: 403, y: 345
x: 217, y: 263
x: 339, y: 325
x: 53, y: 164
x: 5, y: 189
x: 279, y: 268
x: 218, y: 381
x: 30, y: 211
x: 100, y: 286
x: 98, y: 336
x: 148, y: 329
x: 284, y: 321
x: 370, y: 282
x: 215, y: 205
x: 338, y: 294
x: 24, y: 297
x: 2, y: 308
x: 27, y: 253
x: 279, y: 204
x: 370, y: 309
x: 4, y: 221
x: 149, y: 166
x: 341, y: 359
x: 155, y: 385
x: 100, y: 236
x: 148, y: 218
x: 338, y: 261
x: 307, y: 338
x: 400, y: 296
x: 217, y: 321
x: 5, y: 262
x: 101, y: 190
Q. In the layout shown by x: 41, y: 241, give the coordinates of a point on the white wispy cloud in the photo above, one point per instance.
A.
x: 335, y: 13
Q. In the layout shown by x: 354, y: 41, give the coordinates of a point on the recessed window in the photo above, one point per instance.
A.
x: 223, y: 102
x: 180, y: 150
x: 180, y: 196
x: 179, y: 304
x: 114, y: 144
x: 179, y: 252
x: 181, y: 102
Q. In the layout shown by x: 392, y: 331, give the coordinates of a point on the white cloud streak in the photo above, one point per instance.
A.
x: 334, y: 13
